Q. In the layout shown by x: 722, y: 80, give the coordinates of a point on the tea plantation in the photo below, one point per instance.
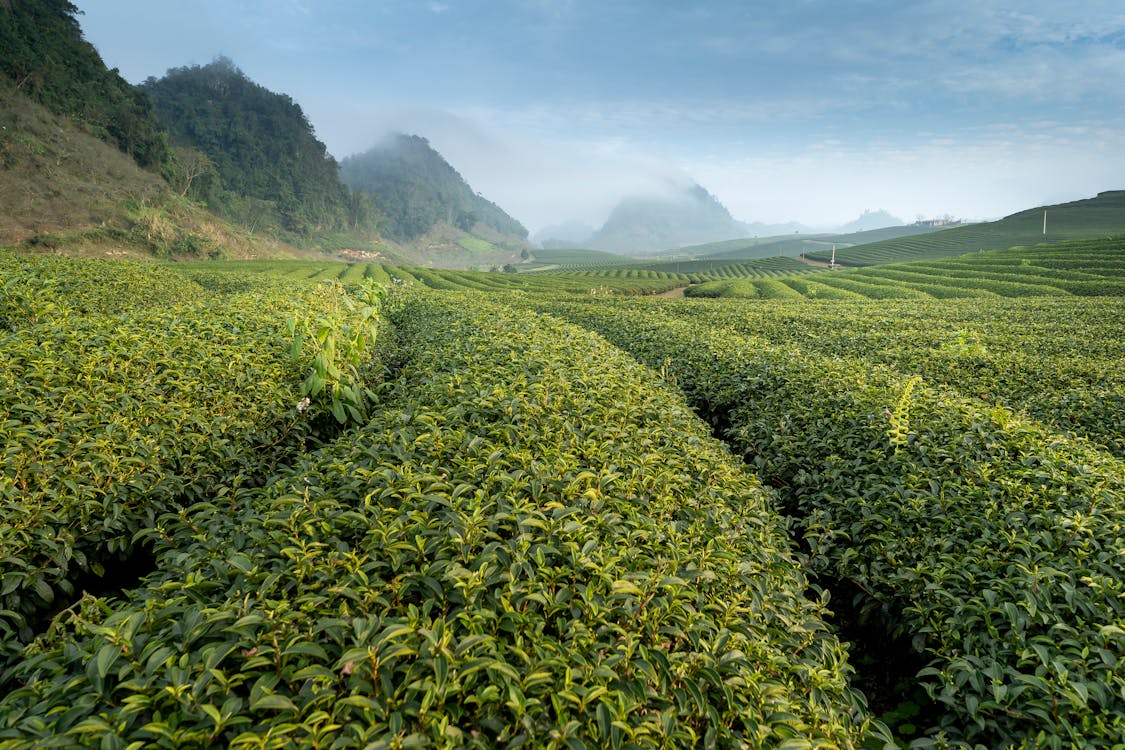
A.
x: 272, y: 506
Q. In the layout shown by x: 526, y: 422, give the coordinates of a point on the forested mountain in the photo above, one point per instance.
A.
x: 686, y: 216
x: 251, y: 154
x: 416, y: 190
x: 43, y: 53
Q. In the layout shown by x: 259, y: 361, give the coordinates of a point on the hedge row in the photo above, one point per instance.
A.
x: 992, y: 542
x: 1056, y: 360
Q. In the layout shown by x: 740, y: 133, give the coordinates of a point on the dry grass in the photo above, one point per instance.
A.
x: 63, y: 190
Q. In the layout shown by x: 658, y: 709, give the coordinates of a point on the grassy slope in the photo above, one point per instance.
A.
x: 1093, y: 217
x: 56, y: 178
x: 797, y: 244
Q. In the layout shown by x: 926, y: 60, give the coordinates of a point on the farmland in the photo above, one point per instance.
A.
x: 1101, y: 215
x: 357, y: 505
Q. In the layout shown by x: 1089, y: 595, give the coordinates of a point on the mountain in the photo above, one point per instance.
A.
x: 687, y: 215
x: 418, y: 192
x: 83, y: 159
x: 43, y: 54
x: 871, y: 220
x: 760, y: 229
x: 65, y: 190
x: 566, y: 235
x: 251, y: 154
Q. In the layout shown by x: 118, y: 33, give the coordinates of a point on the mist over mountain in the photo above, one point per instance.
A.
x: 687, y: 215
x: 565, y: 235
x: 250, y: 153
x: 760, y: 229
x: 416, y: 189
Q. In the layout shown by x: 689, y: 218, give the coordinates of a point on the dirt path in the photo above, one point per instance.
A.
x: 677, y: 292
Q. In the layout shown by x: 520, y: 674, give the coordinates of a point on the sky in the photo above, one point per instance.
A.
x: 796, y: 110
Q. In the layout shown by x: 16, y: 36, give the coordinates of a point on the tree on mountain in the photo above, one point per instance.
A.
x: 261, y: 146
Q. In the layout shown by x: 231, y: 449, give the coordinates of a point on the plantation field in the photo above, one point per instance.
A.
x: 1080, y: 267
x: 594, y: 278
x: 987, y: 542
x: 1095, y: 217
x: 796, y: 245
x: 305, y: 504
x: 527, y: 539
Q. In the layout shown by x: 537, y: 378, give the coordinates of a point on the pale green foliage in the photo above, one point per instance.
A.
x: 899, y: 417
x: 340, y: 340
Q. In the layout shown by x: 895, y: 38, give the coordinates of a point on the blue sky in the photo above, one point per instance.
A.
x: 804, y: 110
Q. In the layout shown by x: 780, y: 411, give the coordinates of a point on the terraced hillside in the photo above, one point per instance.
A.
x: 766, y: 247
x: 1095, y: 217
x: 1082, y: 267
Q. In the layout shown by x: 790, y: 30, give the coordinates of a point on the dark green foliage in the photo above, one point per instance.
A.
x: 533, y: 543
x: 992, y: 542
x: 43, y: 53
x: 135, y: 392
x: 416, y: 189
x: 272, y: 171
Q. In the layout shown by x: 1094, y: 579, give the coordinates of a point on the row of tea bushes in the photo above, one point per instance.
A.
x: 533, y: 543
x: 1057, y: 360
x: 996, y: 544
x: 111, y: 419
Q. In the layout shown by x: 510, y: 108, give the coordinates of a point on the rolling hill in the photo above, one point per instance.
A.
x: 1093, y: 217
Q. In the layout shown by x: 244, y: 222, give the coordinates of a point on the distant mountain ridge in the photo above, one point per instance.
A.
x: 416, y: 190
x: 682, y: 218
x: 879, y: 219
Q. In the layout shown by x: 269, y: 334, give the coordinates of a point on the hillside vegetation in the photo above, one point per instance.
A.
x: 251, y: 154
x: 43, y: 54
x: 63, y: 190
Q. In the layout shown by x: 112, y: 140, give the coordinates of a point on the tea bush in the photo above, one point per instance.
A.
x: 531, y: 543
x: 113, y: 418
x: 996, y: 544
